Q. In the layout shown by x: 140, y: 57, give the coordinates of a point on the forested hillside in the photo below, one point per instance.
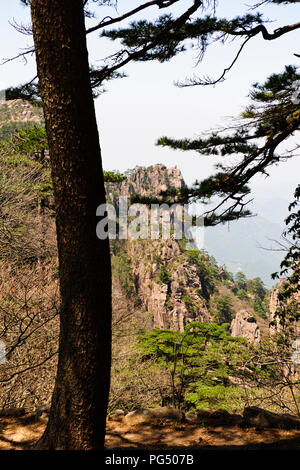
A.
x: 19, y: 114
x: 186, y: 332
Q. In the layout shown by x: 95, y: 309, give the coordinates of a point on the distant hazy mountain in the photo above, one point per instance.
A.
x: 245, y: 246
x: 274, y: 210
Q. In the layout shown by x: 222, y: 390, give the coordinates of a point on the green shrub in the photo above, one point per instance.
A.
x: 122, y: 268
x: 222, y: 309
x: 206, y: 269
x: 198, y: 361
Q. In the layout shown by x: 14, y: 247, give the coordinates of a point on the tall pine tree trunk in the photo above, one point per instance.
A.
x: 79, y: 402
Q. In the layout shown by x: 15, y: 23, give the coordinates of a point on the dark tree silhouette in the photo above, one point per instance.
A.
x: 78, y: 410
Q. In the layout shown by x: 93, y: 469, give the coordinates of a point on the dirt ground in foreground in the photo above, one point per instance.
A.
x: 22, y: 433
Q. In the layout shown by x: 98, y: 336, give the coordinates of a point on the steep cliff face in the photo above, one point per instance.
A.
x: 244, y: 325
x: 275, y: 326
x: 174, y: 285
x: 276, y: 322
x: 167, y: 284
x: 146, y: 182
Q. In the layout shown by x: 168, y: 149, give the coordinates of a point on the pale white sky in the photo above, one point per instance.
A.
x: 137, y: 110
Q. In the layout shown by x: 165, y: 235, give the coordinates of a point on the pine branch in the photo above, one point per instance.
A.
x: 175, y: 25
x: 110, y: 21
x: 18, y: 56
x: 203, y: 82
x: 263, y: 30
x: 275, y: 120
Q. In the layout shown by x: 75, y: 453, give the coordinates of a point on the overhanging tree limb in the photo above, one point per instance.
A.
x: 275, y: 118
x: 108, y: 22
x: 165, y: 38
x: 263, y: 30
x: 131, y: 56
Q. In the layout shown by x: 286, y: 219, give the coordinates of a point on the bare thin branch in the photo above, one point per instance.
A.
x: 18, y: 56
x: 109, y: 20
x: 207, y: 81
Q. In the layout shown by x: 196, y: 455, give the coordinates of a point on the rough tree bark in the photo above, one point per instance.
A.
x: 79, y: 402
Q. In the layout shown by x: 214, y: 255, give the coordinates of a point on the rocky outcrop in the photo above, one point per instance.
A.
x: 147, y: 415
x: 20, y: 112
x: 13, y: 412
x: 275, y: 326
x: 214, y: 417
x: 254, y: 416
x: 167, y: 284
x: 118, y: 415
x: 23, y: 111
x: 244, y: 325
x: 146, y: 182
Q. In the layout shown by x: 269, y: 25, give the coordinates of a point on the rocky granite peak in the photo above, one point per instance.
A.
x: 146, y: 182
x: 173, y: 284
x: 244, y: 325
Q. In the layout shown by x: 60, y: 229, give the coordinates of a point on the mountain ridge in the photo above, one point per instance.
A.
x: 174, y: 285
